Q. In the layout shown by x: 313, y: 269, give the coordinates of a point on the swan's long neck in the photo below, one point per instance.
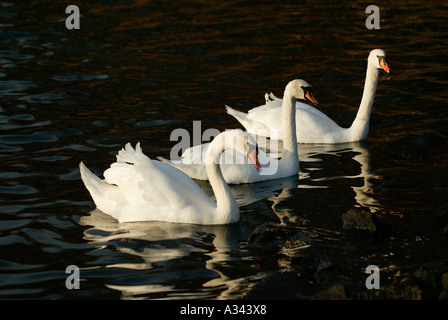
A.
x: 227, y: 208
x: 360, y: 125
x: 290, y: 156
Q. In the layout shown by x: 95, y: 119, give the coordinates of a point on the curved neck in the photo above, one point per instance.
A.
x: 226, y: 206
x: 361, y: 122
x: 290, y: 154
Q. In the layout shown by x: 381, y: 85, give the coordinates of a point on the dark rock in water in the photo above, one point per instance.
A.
x: 445, y: 231
x: 426, y: 278
x: 430, y: 282
x: 283, y: 286
x: 444, y: 294
x: 319, y: 269
x: 443, y: 217
x: 335, y: 292
x: 358, y: 220
x: 362, y: 222
x: 392, y: 292
x: 271, y: 234
x: 267, y: 232
x: 445, y: 281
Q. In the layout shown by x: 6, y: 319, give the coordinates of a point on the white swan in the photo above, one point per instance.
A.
x: 234, y: 171
x: 137, y: 188
x: 313, y: 126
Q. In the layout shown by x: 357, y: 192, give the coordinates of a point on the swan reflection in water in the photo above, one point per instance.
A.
x: 364, y: 190
x: 168, y: 257
x: 317, y: 158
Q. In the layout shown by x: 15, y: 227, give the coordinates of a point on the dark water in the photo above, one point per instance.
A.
x: 137, y: 70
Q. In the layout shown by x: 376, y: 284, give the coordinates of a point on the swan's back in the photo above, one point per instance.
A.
x: 311, y: 123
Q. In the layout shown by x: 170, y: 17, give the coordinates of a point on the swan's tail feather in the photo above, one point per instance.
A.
x: 162, y: 159
x: 94, y: 185
x: 238, y: 115
x: 105, y: 195
x: 91, y: 181
x: 233, y: 112
x: 270, y: 98
x: 174, y: 163
x: 266, y: 97
x: 128, y: 154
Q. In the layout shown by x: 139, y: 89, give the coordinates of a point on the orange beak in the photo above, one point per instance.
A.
x: 310, y: 97
x: 253, y: 157
x: 384, y: 65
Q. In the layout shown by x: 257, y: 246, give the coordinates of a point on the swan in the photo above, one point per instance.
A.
x: 137, y: 188
x: 234, y: 171
x: 313, y: 126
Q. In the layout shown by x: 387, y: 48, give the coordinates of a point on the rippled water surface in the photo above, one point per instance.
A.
x: 137, y: 70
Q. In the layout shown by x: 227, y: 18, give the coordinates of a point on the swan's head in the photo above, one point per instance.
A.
x: 301, y: 90
x: 243, y: 142
x: 377, y: 58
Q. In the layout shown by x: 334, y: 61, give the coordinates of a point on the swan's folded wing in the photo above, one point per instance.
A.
x: 154, y: 183
x: 276, y: 103
x: 264, y: 119
x: 313, y: 124
x: 179, y: 189
x: 195, y: 154
x: 134, y: 183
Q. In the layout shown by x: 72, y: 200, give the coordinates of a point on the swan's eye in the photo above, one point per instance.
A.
x: 306, y: 90
x: 252, y: 151
x: 251, y: 148
x: 308, y: 95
